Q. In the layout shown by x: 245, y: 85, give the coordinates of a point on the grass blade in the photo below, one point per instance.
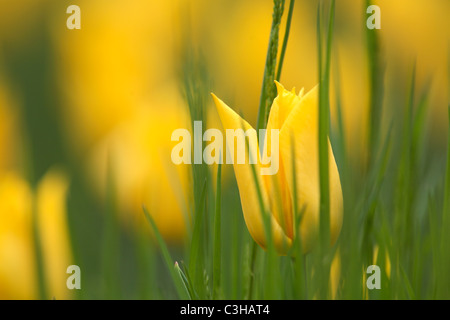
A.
x: 217, y: 236
x: 376, y: 76
x: 268, y: 90
x: 285, y: 40
x: 110, y: 239
x: 324, y: 124
x: 195, y: 258
x: 184, y: 279
x: 179, y: 286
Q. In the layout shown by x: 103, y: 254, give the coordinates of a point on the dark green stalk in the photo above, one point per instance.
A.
x: 285, y: 40
x: 217, y: 236
x: 196, y: 258
x: 445, y: 238
x: 110, y: 239
x: 324, y: 124
x: 252, y: 270
x: 176, y: 277
x: 376, y: 76
x: 268, y: 90
x: 446, y: 207
x: 41, y: 278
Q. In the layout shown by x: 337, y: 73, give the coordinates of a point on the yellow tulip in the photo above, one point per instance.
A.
x: 18, y: 266
x: 237, y: 44
x: 17, y: 258
x: 296, y: 118
x: 138, y: 153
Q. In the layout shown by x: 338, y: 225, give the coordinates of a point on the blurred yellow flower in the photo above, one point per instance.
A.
x: 114, y: 73
x: 123, y: 53
x: 296, y: 117
x: 52, y: 225
x: 138, y: 154
x: 17, y: 256
x: 18, y: 266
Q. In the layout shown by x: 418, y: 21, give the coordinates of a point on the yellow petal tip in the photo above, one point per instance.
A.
x: 301, y: 93
x: 280, y: 88
x: 217, y: 101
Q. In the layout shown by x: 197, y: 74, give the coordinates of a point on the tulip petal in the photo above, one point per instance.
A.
x: 276, y: 185
x: 301, y: 126
x: 246, y: 184
x: 280, y: 200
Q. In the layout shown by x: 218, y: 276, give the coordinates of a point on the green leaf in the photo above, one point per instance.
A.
x: 217, y: 236
x: 268, y: 90
x: 179, y: 286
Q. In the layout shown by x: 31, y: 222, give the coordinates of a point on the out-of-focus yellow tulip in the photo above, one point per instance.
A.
x: 296, y: 118
x: 114, y: 73
x: 138, y: 155
x: 54, y: 236
x: 17, y: 257
x: 119, y: 58
x: 18, y: 266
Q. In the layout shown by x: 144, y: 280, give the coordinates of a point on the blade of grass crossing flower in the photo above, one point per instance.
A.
x: 296, y: 251
x: 271, y: 265
x: 217, y: 236
x: 182, y: 293
x: 271, y: 276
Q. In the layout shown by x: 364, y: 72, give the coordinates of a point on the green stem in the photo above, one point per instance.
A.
x: 285, y: 40
x: 252, y: 270
x: 217, y: 237
x: 324, y: 123
x: 268, y: 90
x: 376, y: 75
